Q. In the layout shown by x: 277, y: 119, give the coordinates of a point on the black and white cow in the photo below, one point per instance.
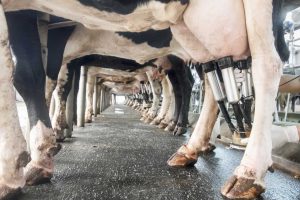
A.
x: 249, y: 29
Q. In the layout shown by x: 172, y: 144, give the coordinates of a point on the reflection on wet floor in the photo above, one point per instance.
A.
x: 119, y: 111
x: 119, y: 157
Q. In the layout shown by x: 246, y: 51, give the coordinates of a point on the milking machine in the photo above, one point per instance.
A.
x: 221, y: 73
x: 210, y: 69
x: 226, y: 66
x: 247, y: 92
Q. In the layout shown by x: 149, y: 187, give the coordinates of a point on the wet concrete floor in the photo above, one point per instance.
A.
x: 119, y: 157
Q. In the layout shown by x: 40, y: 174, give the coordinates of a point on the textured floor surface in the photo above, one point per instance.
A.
x: 118, y: 157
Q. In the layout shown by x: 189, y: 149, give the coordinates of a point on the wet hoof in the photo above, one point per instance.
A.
x: 37, y: 175
x: 162, y: 125
x: 241, y: 188
x: 7, y: 193
x: 184, y: 157
x: 171, y: 127
x: 179, y: 131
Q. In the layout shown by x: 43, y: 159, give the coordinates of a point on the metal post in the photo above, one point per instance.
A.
x: 81, y: 97
x: 287, y: 107
x: 70, y: 112
x: 95, y: 98
x: 98, y: 99
x: 101, y: 99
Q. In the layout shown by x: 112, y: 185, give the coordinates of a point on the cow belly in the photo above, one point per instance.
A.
x: 155, y: 14
x: 219, y: 25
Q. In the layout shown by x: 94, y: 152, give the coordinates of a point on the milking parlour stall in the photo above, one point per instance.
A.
x: 149, y: 99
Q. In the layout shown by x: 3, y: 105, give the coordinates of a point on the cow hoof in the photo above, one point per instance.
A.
x: 88, y: 121
x: 184, y: 157
x: 179, y: 131
x: 54, y: 150
x: 155, y: 122
x: 142, y: 118
x: 7, y: 193
x: 241, y: 188
x: 60, y: 138
x: 171, y: 127
x: 37, y: 175
x: 209, y: 149
x: 148, y: 120
x: 162, y: 125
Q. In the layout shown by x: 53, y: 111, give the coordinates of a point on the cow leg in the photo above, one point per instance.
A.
x: 50, y: 87
x: 64, y: 85
x: 89, y: 98
x: 247, y: 182
x: 13, y: 155
x: 199, y: 141
x: 186, y: 86
x: 29, y: 80
x: 156, y: 90
x: 57, y: 39
x: 165, y: 102
x: 171, y: 109
x: 178, y: 99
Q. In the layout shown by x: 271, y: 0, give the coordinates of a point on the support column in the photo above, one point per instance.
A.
x: 70, y: 112
x: 81, y: 97
x: 95, y: 98
x: 101, y: 99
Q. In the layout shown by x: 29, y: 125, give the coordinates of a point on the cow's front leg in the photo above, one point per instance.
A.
x: 13, y: 155
x: 199, y: 141
x: 29, y: 80
x: 248, y: 179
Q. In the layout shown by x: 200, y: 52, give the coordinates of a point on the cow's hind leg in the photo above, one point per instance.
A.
x: 13, y: 155
x: 247, y: 182
x: 62, y: 90
x: 199, y: 141
x: 29, y: 80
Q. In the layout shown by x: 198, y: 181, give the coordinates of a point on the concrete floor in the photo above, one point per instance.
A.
x: 118, y: 157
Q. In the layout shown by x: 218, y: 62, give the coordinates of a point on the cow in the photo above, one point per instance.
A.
x: 248, y: 30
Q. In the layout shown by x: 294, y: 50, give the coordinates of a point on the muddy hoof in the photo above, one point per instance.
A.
x: 36, y: 175
x: 179, y: 131
x: 162, y: 125
x: 54, y: 150
x: 241, y: 188
x: 7, y: 193
x: 184, y: 157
